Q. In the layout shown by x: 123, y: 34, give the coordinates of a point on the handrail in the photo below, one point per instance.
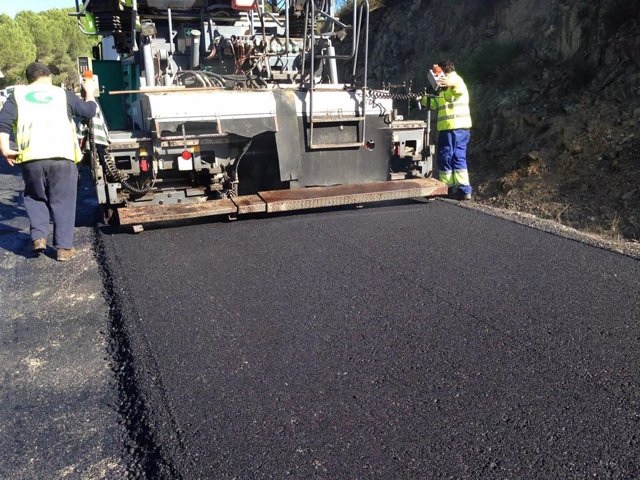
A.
x: 357, y: 21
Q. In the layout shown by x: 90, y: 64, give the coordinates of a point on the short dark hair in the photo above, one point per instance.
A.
x: 36, y: 70
x: 447, y: 66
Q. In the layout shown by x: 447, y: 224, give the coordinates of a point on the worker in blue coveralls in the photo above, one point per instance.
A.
x: 40, y: 115
x: 454, y: 130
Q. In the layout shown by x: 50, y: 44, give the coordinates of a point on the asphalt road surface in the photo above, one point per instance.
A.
x: 411, y: 341
x: 59, y: 415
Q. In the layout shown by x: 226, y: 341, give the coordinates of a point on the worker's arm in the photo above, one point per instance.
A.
x: 447, y: 82
x: 8, y: 116
x: 83, y: 108
x: 451, y: 83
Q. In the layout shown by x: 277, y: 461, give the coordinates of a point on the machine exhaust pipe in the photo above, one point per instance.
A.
x: 195, y: 49
x: 149, y: 68
x: 333, y: 67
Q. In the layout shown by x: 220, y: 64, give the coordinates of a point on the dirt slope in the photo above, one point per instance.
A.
x: 555, y: 95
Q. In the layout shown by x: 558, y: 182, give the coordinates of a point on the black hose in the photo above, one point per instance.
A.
x: 203, y: 78
x: 113, y: 174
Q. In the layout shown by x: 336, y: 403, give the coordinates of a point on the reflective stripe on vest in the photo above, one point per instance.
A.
x: 100, y: 130
x: 43, y: 129
x: 453, y: 106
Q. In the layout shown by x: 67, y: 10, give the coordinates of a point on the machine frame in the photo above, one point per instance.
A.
x: 226, y: 99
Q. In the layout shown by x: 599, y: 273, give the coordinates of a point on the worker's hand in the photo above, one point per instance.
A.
x: 445, y: 82
x: 89, y: 87
x: 10, y: 155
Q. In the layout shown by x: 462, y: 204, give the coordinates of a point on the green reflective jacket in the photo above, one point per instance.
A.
x: 453, y: 105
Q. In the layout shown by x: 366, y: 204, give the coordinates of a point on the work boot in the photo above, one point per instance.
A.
x: 64, y: 254
x: 458, y: 194
x: 39, y: 245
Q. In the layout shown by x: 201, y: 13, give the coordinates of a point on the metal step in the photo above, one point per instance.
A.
x: 336, y: 119
x: 332, y: 146
x: 287, y: 200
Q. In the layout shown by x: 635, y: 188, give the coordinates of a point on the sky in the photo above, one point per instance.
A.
x: 11, y: 7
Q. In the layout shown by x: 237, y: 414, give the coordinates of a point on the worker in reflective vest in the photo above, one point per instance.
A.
x: 453, y: 124
x: 40, y: 115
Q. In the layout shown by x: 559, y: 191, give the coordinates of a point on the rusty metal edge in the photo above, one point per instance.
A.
x: 249, y: 204
x: 267, y: 202
x: 159, y: 213
x: 354, y: 199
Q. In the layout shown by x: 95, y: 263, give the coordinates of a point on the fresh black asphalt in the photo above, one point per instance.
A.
x: 410, y: 341
x: 59, y: 410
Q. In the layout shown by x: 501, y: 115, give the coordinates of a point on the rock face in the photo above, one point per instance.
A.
x: 555, y: 94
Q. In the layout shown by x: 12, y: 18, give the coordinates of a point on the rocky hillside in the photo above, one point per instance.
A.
x: 555, y: 92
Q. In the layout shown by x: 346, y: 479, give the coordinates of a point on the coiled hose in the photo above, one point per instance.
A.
x: 113, y: 174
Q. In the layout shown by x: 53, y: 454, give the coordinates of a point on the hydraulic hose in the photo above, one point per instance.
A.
x: 113, y: 174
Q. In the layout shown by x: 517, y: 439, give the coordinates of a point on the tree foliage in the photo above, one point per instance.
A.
x: 17, y: 49
x: 51, y: 37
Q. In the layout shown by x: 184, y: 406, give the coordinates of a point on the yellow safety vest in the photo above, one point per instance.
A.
x: 43, y: 129
x: 453, y: 105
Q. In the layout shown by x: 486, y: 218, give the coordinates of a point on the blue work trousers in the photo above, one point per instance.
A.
x: 452, y: 158
x: 50, y: 191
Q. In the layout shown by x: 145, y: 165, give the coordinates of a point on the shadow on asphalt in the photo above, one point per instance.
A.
x: 12, y: 238
x: 12, y: 208
x: 13, y: 217
x: 87, y: 207
x: 15, y: 241
x: 5, y: 169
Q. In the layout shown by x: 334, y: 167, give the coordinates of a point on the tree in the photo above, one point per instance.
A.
x: 51, y: 37
x: 17, y: 50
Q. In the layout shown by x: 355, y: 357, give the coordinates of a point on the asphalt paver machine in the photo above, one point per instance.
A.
x: 241, y: 106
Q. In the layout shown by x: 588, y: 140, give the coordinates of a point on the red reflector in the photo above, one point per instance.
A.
x: 186, y: 155
x: 144, y: 165
x: 243, y: 4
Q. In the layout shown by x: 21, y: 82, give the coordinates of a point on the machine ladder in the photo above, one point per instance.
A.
x: 358, y: 117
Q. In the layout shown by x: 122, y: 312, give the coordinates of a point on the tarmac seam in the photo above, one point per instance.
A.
x: 149, y: 461
x: 626, y: 248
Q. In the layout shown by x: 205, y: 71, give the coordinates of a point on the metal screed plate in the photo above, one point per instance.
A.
x: 287, y: 200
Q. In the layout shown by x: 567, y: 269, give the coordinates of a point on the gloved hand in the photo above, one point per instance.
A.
x: 89, y: 87
x: 445, y: 82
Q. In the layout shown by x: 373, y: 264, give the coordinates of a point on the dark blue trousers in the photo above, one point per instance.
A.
x: 50, y: 191
x: 452, y: 159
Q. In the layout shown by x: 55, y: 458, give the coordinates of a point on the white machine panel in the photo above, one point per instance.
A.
x: 215, y: 104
